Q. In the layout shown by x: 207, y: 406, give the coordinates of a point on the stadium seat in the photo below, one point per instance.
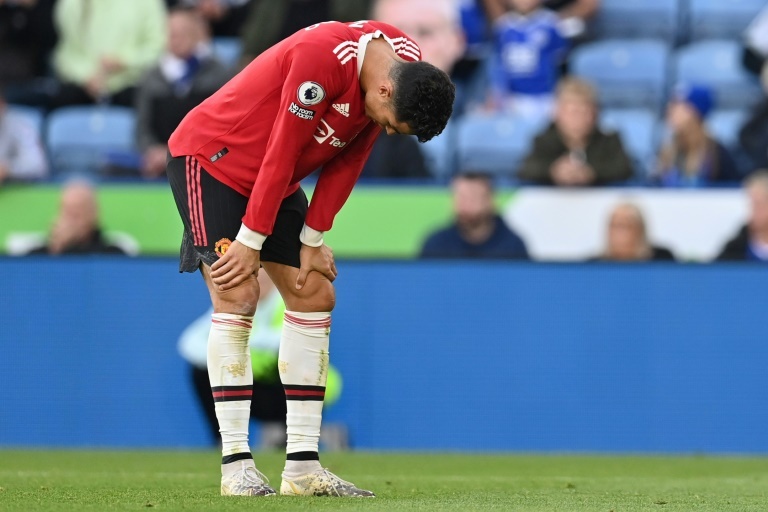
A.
x: 724, y: 125
x: 637, y: 128
x: 440, y: 153
x: 494, y: 144
x: 627, y: 73
x: 637, y: 18
x: 32, y: 114
x: 85, y: 139
x: 717, y: 63
x: 228, y: 50
x: 721, y: 18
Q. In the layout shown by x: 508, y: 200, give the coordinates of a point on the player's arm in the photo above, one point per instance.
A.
x: 333, y: 188
x: 294, y: 127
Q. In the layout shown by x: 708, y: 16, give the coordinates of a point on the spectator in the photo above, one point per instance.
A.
x: 756, y: 44
x: 692, y: 158
x: 751, y: 242
x: 104, y: 47
x: 26, y: 37
x: 477, y: 230
x: 76, y: 229
x: 22, y: 156
x: 434, y: 25
x: 225, y: 17
x: 753, y: 136
x: 572, y: 13
x: 186, y: 74
x: 268, y: 401
x: 573, y: 151
x: 469, y: 73
x: 627, y: 239
x: 528, y: 49
x: 271, y: 21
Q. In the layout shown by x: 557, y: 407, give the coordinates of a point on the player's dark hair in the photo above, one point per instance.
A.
x: 422, y: 97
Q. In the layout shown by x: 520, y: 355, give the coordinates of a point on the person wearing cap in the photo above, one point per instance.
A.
x: 692, y: 157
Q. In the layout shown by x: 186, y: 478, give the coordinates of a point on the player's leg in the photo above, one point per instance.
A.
x: 211, y: 213
x: 304, y: 355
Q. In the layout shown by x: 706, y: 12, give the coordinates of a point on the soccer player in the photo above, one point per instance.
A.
x: 318, y: 99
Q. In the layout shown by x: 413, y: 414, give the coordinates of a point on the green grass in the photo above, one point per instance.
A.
x: 78, y: 480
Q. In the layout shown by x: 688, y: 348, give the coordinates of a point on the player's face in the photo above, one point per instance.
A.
x: 378, y: 108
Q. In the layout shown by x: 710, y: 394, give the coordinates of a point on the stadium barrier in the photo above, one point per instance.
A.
x: 392, y: 222
x: 435, y: 356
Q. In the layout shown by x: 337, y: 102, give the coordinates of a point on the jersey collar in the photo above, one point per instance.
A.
x: 362, y: 46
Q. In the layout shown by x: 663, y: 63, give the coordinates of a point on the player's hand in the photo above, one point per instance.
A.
x: 316, y: 259
x: 235, y: 266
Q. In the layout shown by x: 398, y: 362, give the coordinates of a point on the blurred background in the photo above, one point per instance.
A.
x: 576, y: 264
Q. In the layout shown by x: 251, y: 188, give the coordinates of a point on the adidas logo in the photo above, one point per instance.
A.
x: 342, y: 108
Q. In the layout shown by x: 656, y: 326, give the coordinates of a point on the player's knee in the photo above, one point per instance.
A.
x: 240, y: 300
x: 320, y: 296
x: 326, y: 297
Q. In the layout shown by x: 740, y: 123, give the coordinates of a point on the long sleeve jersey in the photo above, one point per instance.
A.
x: 295, y: 108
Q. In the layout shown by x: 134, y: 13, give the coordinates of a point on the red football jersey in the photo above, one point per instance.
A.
x: 296, y: 108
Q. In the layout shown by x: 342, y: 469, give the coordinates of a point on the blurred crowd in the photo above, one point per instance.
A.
x: 563, y: 93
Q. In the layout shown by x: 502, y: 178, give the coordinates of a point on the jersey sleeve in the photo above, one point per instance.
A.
x: 335, y: 184
x: 312, y: 79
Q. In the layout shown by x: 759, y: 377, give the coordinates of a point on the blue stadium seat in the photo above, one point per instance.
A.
x: 637, y: 18
x: 32, y: 114
x: 627, y: 73
x: 84, y: 139
x: 440, y: 152
x: 724, y: 125
x: 637, y: 128
x: 717, y: 63
x: 721, y: 18
x: 227, y: 50
x: 494, y: 144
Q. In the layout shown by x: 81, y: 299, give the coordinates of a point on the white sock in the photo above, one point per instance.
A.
x: 231, y: 377
x: 303, y: 365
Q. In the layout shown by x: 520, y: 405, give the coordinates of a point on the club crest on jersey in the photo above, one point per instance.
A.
x: 311, y: 93
x: 221, y: 247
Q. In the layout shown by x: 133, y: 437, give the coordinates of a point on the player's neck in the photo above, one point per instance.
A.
x: 379, y: 59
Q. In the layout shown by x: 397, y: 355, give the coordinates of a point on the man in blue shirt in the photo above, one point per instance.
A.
x: 529, y: 46
x: 477, y: 231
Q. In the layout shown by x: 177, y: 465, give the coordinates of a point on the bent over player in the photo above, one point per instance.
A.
x: 318, y: 99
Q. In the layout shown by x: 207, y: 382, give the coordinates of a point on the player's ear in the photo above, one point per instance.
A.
x: 385, y: 91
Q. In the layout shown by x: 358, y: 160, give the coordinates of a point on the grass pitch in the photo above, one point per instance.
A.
x: 99, y: 481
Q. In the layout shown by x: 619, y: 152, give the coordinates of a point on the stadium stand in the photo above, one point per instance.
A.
x: 638, y: 19
x: 493, y: 143
x: 228, y: 50
x: 34, y: 115
x: 440, y: 153
x: 637, y: 128
x: 717, y: 63
x: 725, y: 125
x: 85, y: 138
x: 627, y: 73
x: 708, y: 19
